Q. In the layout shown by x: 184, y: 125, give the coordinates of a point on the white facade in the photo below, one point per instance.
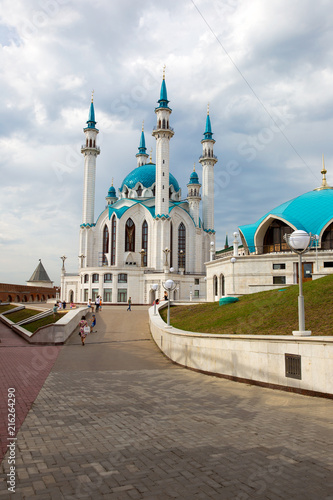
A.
x: 146, y: 235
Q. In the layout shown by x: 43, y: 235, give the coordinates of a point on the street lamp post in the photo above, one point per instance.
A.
x: 233, y: 260
x: 212, y: 252
x: 299, y: 242
x: 166, y: 252
x: 317, y: 241
x: 154, y: 287
x: 142, y: 253
x: 169, y: 286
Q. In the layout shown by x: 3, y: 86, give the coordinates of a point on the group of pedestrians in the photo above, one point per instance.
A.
x: 98, y: 304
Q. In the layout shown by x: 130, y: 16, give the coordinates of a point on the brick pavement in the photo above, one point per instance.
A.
x: 25, y: 368
x: 117, y: 420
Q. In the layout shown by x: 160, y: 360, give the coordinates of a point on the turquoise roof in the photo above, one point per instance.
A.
x: 119, y: 212
x: 112, y: 192
x: 142, y: 147
x: 310, y: 211
x: 208, y: 131
x: 194, y: 179
x: 91, y: 123
x: 146, y: 176
x: 163, y: 100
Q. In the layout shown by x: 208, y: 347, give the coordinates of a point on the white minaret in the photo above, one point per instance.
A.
x: 90, y: 152
x: 193, y: 196
x: 162, y: 133
x: 208, y: 161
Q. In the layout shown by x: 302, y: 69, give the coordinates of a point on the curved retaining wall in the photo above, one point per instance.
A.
x: 55, y: 333
x: 255, y: 359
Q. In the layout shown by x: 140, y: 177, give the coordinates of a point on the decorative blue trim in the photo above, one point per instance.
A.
x: 162, y: 216
x: 210, y: 231
x: 88, y: 225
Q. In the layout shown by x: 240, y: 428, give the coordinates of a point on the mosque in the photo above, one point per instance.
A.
x: 264, y: 261
x: 149, y: 233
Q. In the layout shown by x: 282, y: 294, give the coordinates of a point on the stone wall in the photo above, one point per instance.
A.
x: 250, y: 358
x: 24, y: 293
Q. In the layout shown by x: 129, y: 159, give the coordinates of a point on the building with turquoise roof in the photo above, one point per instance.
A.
x: 149, y: 231
x: 264, y: 261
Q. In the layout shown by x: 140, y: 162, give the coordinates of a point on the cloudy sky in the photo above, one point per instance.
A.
x: 266, y: 68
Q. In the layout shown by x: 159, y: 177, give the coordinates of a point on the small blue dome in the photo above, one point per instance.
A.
x: 194, y: 179
x: 112, y: 192
x: 146, y: 176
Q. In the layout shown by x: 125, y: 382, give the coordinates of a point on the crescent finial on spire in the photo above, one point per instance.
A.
x: 207, y: 108
x: 92, y: 96
x: 112, y: 182
x: 143, y: 123
x: 194, y: 167
x: 164, y: 71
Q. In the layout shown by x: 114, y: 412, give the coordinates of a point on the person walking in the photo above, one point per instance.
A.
x: 55, y: 309
x: 84, y: 329
x: 129, y: 304
x: 97, y: 303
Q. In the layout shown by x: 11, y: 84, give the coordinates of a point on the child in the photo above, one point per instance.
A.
x: 93, y: 324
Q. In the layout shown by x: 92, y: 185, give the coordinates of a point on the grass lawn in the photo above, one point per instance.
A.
x: 33, y: 326
x: 265, y: 313
x: 22, y: 314
x: 6, y: 308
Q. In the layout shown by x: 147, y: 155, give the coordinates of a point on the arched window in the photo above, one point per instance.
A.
x: 139, y: 191
x: 181, y: 245
x: 94, y: 144
x: 327, y: 239
x: 273, y: 240
x: 163, y: 123
x: 86, y: 278
x: 113, y: 240
x: 145, y: 242
x: 87, y: 142
x: 159, y: 123
x: 215, y: 286
x: 90, y: 143
x: 130, y: 236
x: 222, y: 292
x: 105, y: 240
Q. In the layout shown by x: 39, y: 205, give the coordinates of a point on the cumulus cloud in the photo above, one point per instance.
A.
x: 265, y: 67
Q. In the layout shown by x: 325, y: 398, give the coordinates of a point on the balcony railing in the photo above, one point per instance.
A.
x: 97, y: 148
x: 160, y: 128
x: 206, y: 156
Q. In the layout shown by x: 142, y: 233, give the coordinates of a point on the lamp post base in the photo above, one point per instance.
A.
x: 302, y: 333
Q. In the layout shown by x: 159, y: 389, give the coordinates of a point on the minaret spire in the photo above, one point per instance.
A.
x: 90, y: 152
x: 162, y: 133
x: 208, y: 160
x: 142, y: 154
x: 324, y: 184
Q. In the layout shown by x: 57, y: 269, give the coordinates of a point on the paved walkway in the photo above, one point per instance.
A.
x: 115, y: 419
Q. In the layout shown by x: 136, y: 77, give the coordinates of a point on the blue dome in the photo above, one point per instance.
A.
x: 146, y: 175
x: 194, y: 179
x: 112, y: 192
x: 310, y: 211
